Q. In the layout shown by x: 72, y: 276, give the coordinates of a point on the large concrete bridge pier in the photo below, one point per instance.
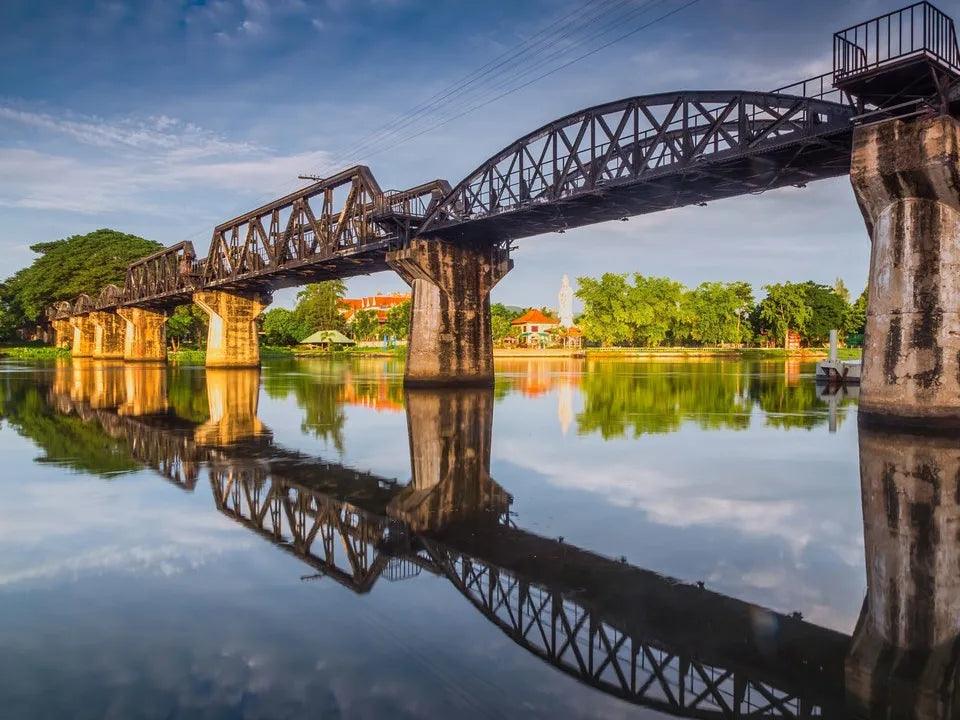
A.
x: 907, y: 180
x: 108, y: 335
x: 450, y: 340
x: 232, y: 335
x: 145, y: 334
x: 903, y: 661
x: 84, y: 336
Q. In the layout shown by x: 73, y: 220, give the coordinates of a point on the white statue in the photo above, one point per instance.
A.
x: 565, y: 303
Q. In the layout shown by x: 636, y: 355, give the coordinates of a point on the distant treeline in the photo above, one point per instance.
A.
x: 641, y: 311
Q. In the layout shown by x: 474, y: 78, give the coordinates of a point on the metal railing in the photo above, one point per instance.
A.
x: 917, y: 31
x: 819, y: 87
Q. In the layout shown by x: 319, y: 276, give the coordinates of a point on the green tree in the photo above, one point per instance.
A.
x: 606, y: 301
x: 365, y: 325
x: 856, y: 324
x: 71, y: 266
x: 187, y: 325
x: 715, y: 309
x: 828, y: 311
x: 840, y: 288
x: 281, y: 327
x: 785, y: 308
x: 318, y: 307
x: 398, y: 320
x: 653, y: 309
x: 500, y: 318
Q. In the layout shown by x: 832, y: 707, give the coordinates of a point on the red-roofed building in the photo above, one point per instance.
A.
x: 380, y: 304
x: 535, y: 327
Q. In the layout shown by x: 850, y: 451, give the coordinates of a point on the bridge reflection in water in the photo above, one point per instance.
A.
x: 627, y: 631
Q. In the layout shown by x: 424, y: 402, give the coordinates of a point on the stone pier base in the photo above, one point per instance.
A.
x: 84, y: 336
x: 450, y: 340
x: 62, y: 333
x: 902, y: 662
x: 145, y: 335
x: 232, y: 339
x: 907, y: 180
x: 108, y: 335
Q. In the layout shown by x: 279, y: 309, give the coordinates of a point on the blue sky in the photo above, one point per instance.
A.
x: 164, y: 118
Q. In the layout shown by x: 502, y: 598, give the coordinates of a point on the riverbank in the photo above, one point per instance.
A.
x: 190, y: 356
x: 677, y: 353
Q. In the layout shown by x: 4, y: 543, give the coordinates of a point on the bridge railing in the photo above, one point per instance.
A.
x: 819, y: 87
x: 917, y: 31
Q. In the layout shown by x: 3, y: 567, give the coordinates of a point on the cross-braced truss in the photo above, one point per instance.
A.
x: 336, y: 539
x: 645, y: 154
x: 581, y: 642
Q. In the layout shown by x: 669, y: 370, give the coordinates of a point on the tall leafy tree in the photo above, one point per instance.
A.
x: 840, y: 288
x: 828, y: 311
x: 187, y: 324
x: 281, y: 327
x: 715, y: 308
x: 71, y: 266
x: 318, y: 306
x: 365, y: 325
x: 398, y: 320
x: 653, y: 305
x: 606, y: 314
x: 785, y: 308
x: 501, y: 318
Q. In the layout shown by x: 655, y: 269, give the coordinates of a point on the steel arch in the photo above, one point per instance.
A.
x: 643, y: 154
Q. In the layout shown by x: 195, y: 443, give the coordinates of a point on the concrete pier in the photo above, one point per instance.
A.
x: 84, y: 336
x: 902, y: 661
x: 108, y: 335
x: 62, y: 333
x: 450, y: 339
x: 907, y: 180
x: 449, y: 432
x: 145, y: 335
x: 232, y: 339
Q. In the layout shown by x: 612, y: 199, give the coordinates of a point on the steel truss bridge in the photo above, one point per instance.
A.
x: 633, y: 156
x: 625, y: 631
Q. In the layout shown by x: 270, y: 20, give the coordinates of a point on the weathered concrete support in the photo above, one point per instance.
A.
x: 145, y: 335
x: 62, y: 333
x: 450, y: 340
x: 108, y: 332
x: 907, y: 181
x: 449, y: 433
x: 232, y: 395
x: 902, y: 662
x: 84, y: 336
x: 232, y: 339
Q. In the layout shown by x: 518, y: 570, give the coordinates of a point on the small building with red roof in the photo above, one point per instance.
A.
x: 535, y: 327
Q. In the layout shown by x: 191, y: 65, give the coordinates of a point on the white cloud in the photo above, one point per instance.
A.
x: 138, y: 164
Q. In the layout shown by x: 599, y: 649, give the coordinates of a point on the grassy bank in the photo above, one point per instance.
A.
x: 192, y: 356
x: 33, y: 352
x: 733, y: 353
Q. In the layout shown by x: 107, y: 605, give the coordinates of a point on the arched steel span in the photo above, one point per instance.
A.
x: 645, y: 154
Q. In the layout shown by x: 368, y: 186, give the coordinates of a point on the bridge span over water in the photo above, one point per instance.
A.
x: 884, y: 114
x: 627, y: 631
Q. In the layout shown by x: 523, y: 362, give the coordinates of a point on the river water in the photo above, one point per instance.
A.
x: 591, y: 539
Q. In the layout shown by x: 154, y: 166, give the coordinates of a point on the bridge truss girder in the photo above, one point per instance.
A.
x: 645, y: 154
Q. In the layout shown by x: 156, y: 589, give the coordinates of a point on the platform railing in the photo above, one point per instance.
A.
x: 916, y: 31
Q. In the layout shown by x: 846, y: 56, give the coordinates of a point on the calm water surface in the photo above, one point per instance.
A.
x: 591, y: 539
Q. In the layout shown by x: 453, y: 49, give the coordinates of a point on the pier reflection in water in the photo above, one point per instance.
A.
x: 625, y: 630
